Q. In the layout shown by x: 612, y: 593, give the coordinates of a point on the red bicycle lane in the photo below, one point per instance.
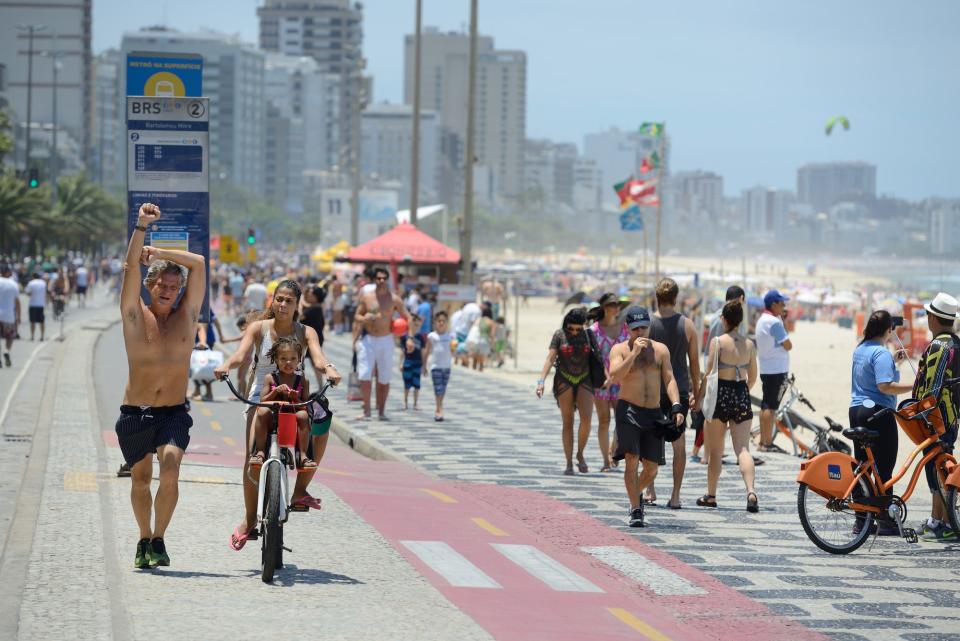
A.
x: 527, y: 567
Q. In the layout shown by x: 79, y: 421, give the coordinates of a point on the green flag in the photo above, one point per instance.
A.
x: 652, y: 129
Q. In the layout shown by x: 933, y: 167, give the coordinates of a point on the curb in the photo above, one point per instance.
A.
x: 365, y: 445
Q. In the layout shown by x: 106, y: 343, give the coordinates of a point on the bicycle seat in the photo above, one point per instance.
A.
x: 861, y: 434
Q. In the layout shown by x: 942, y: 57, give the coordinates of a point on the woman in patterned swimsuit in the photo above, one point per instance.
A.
x: 735, y: 359
x: 570, y: 353
x: 609, y: 331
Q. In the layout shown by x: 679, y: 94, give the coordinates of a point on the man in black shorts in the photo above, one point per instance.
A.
x: 154, y: 416
x: 640, y: 365
x: 773, y: 347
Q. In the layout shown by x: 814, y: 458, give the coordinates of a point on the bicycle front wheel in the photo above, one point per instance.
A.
x: 272, y: 528
x: 834, y: 529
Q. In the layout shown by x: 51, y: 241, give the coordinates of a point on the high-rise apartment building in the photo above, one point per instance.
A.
x: 106, y: 162
x: 62, y: 32
x: 501, y: 86
x: 233, y: 79
x: 386, y: 138
x: 824, y: 184
x: 330, y: 32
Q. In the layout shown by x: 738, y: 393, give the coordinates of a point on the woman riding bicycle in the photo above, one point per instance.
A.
x: 875, y: 377
x: 280, y: 320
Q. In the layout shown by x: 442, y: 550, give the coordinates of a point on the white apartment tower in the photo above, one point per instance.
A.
x: 500, y: 106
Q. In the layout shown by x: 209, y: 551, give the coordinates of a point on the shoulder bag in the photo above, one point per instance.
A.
x: 598, y: 373
x: 709, y: 404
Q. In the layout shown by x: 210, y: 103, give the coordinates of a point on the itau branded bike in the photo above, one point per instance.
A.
x: 273, y: 490
x: 841, y: 499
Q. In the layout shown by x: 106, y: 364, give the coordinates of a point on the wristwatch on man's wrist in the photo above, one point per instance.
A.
x: 677, y: 408
x: 140, y: 227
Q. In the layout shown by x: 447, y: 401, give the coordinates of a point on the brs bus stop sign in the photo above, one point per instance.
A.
x: 168, y: 165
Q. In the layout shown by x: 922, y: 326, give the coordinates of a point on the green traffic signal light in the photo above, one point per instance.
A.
x: 34, y: 183
x: 251, y: 237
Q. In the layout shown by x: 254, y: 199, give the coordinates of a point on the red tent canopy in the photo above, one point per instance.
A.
x: 401, y: 244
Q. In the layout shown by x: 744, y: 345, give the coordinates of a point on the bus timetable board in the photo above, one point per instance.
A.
x: 168, y: 165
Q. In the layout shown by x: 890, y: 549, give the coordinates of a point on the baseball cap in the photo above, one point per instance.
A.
x: 636, y: 317
x: 773, y: 296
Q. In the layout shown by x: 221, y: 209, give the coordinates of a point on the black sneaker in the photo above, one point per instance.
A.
x: 158, y: 553
x: 636, y: 517
x: 6, y: 359
x: 142, y: 560
x: 124, y: 470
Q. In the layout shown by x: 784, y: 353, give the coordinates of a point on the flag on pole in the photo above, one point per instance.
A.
x: 640, y: 189
x: 630, y: 218
x: 651, y: 129
x: 650, y: 163
x: 622, y: 189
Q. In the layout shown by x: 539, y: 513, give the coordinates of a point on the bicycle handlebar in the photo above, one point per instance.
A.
x: 313, y: 397
x: 803, y: 399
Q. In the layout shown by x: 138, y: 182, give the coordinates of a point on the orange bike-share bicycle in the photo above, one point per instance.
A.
x: 840, y: 498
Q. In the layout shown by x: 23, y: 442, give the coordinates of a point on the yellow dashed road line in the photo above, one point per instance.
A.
x: 488, y: 526
x: 645, y: 629
x: 229, y: 441
x: 438, y: 495
x: 206, y: 411
x: 215, y: 426
x: 80, y: 481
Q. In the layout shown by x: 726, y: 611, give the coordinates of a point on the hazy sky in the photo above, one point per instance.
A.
x: 745, y: 86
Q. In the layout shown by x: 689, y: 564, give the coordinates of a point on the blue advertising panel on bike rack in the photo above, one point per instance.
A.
x: 168, y: 161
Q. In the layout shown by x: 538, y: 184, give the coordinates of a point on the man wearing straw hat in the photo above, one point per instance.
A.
x: 940, y: 361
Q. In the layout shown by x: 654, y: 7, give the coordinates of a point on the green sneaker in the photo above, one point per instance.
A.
x: 940, y: 534
x: 158, y: 553
x: 924, y: 528
x: 142, y: 560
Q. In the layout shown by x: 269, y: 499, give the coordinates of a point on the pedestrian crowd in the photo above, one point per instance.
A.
x: 649, y: 370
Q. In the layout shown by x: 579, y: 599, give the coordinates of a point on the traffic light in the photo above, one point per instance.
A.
x: 251, y: 236
x: 34, y: 180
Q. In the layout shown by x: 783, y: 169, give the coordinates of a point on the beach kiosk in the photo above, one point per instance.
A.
x: 405, y: 248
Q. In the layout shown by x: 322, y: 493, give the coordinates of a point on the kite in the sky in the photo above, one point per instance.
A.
x: 837, y: 120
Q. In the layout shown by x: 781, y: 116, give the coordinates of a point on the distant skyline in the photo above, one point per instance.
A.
x: 745, y: 86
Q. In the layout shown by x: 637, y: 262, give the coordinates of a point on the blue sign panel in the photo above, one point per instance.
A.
x: 169, y: 75
x: 168, y: 154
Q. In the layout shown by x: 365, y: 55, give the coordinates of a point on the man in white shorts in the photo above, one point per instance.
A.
x: 375, y: 343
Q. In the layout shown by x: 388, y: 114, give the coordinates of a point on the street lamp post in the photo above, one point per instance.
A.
x: 55, y: 55
x: 30, y: 29
x: 415, y: 142
x: 466, y: 245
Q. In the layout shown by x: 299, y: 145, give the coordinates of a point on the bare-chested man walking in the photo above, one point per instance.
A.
x: 639, y: 365
x: 375, y: 343
x: 154, y: 416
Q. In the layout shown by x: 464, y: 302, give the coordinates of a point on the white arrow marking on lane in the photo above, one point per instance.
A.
x: 654, y: 577
x: 450, y: 564
x: 543, y: 567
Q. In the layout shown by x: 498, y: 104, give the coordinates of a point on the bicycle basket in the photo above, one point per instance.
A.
x: 287, y: 429
x: 913, y: 424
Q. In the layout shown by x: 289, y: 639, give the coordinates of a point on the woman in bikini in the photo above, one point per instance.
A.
x: 280, y: 320
x: 609, y: 330
x: 735, y: 359
x: 570, y: 353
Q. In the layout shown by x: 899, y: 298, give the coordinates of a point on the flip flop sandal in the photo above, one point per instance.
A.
x: 606, y: 468
x: 307, y: 464
x: 306, y: 501
x: 707, y: 501
x: 256, y: 460
x: 678, y: 506
x: 753, y: 505
x: 582, y: 467
x: 238, y: 539
x: 652, y: 502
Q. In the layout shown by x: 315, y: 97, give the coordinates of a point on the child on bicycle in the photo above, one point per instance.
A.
x: 284, y: 384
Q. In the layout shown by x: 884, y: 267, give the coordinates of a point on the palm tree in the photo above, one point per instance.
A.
x: 85, y: 215
x: 23, y: 211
